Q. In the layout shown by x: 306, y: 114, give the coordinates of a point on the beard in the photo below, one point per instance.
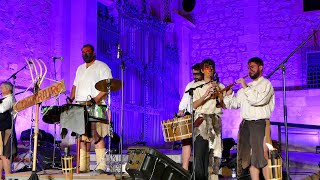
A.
x: 88, y: 58
x: 255, y: 75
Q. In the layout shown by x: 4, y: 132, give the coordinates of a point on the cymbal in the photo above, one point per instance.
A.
x: 114, y: 84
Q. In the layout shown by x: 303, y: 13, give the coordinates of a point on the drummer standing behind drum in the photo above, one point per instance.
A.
x: 87, y: 75
x: 184, y: 108
x: 208, y: 145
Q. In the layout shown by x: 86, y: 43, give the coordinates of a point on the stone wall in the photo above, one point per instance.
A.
x: 26, y: 31
x: 231, y: 32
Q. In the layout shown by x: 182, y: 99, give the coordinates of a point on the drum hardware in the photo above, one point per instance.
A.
x: 55, y: 124
x: 51, y: 115
x: 108, y: 85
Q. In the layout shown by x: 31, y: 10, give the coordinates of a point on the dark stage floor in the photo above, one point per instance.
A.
x: 303, y: 166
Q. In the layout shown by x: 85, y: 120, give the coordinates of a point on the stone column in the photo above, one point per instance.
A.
x: 183, y: 33
x: 79, y: 23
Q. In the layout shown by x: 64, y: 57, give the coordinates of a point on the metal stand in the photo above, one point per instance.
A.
x: 193, y: 175
x: 55, y: 124
x: 12, y: 125
x: 112, y: 157
x: 78, y: 153
x: 122, y: 66
x: 285, y: 115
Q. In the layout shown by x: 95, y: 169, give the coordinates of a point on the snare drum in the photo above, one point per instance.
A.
x: 177, y: 128
x: 98, y: 113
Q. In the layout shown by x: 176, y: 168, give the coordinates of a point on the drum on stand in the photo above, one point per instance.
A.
x: 177, y: 128
x: 98, y: 113
x: 51, y: 114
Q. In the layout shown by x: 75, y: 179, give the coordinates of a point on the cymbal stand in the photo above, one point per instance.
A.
x: 55, y: 124
x: 112, y: 161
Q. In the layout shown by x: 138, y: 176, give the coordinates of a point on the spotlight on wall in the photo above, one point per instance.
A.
x: 188, y: 5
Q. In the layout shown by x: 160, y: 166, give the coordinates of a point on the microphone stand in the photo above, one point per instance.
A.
x: 122, y: 66
x: 14, y: 76
x: 190, y: 92
x: 285, y: 113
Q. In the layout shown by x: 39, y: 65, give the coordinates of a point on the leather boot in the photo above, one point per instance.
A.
x: 83, y: 161
x: 88, y: 160
x: 100, y: 159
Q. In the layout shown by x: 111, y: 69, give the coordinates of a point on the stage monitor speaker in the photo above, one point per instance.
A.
x: 311, y: 5
x: 148, y: 163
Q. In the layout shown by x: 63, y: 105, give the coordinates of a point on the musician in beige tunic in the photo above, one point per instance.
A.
x: 83, y: 90
x: 208, y: 145
x: 256, y: 102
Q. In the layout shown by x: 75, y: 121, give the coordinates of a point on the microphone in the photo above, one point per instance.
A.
x: 119, y: 52
x: 215, y: 77
x: 59, y: 58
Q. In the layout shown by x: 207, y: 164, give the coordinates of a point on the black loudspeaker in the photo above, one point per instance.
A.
x: 148, y: 163
x: 310, y: 5
x: 188, y: 5
x: 45, y: 154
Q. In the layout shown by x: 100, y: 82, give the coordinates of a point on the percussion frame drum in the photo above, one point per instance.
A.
x: 177, y: 128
